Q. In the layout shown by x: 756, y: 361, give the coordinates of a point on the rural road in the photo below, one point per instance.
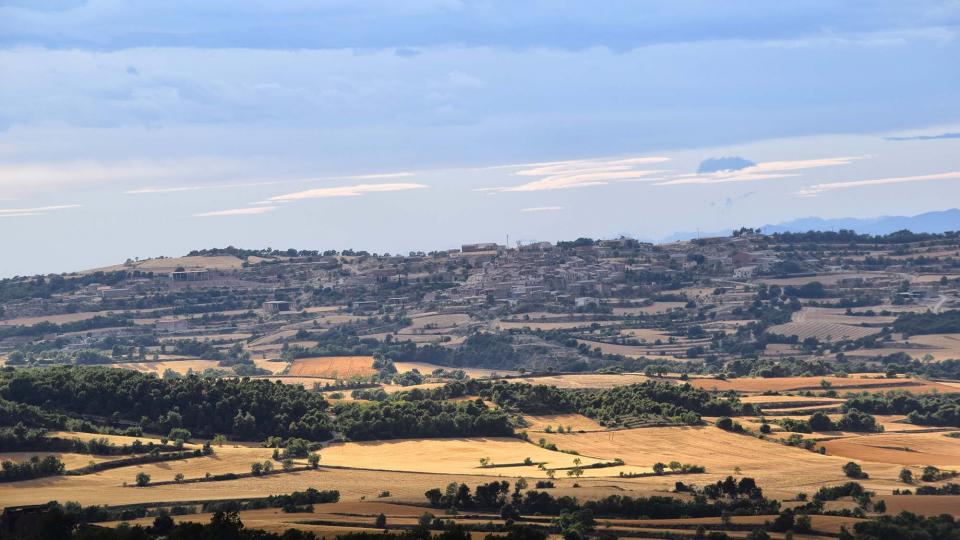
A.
x: 939, y: 305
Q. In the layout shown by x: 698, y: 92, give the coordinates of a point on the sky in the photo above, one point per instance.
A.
x: 139, y: 129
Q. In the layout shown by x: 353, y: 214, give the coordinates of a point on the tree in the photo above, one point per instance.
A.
x: 820, y: 422
x: 256, y: 469
x: 142, y: 479
x: 162, y: 524
x: 313, y: 460
x: 381, y: 522
x: 906, y: 476
x: 854, y: 470
x: 658, y: 468
x: 508, y: 512
x: 219, y: 440
x: 426, y: 519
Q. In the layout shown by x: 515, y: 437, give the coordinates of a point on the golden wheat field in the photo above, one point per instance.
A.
x: 579, y: 422
x: 919, y: 449
x: 177, y: 366
x: 333, y: 367
x: 722, y: 453
x: 475, y: 373
x: 587, y: 380
x: 793, y: 384
x: 448, y: 456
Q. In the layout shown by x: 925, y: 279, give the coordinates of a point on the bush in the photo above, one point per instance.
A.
x: 854, y: 470
x: 142, y: 479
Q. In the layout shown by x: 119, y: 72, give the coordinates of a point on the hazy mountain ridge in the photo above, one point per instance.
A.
x: 928, y: 222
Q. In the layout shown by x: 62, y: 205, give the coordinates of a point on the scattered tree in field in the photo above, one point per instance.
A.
x: 142, y: 479
x: 381, y: 522
x: 854, y: 470
x: 906, y: 476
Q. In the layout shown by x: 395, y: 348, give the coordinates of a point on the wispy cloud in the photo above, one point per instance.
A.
x: 925, y: 137
x: 816, y: 189
x: 543, y: 209
x: 86, y: 172
x: 378, y: 176
x: 179, y: 189
x: 581, y: 173
x: 37, y: 211
x: 250, y: 211
x: 345, y: 191
x: 762, y: 171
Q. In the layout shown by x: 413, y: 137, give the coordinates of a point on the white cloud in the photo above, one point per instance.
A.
x: 543, y: 209
x: 761, y: 171
x: 377, y: 176
x: 581, y: 173
x: 87, y: 172
x: 254, y: 210
x: 816, y: 189
x: 180, y: 189
x: 37, y: 211
x: 345, y: 191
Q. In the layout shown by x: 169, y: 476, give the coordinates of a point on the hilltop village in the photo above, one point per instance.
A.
x: 578, y: 388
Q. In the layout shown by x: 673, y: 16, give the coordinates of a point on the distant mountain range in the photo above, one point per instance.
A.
x: 929, y: 222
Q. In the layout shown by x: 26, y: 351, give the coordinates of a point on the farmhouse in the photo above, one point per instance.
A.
x: 276, y: 306
x: 171, y: 325
x: 189, y: 275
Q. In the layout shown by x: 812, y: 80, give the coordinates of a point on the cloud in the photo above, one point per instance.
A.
x: 179, y: 189
x: 816, y: 189
x: 925, y: 137
x: 762, y: 171
x: 543, y: 209
x: 731, y: 163
x: 39, y: 175
x: 37, y: 211
x: 345, y: 191
x: 251, y: 211
x: 581, y: 173
x: 373, y: 176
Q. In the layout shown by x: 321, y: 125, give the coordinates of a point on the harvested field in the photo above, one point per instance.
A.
x: 918, y: 449
x: 55, y: 319
x: 392, y: 388
x: 773, y: 465
x: 645, y: 334
x: 633, y: 351
x: 925, y: 505
x: 427, y: 369
x: 788, y: 384
x: 306, y: 382
x: 333, y: 367
x: 70, y: 461
x: 822, y: 330
x: 275, y: 337
x: 591, y: 380
x: 538, y: 325
x: 447, y: 456
x: 826, y: 279
x: 838, y: 315
x: 576, y: 421
x: 656, y: 307
x: 442, y: 320
x: 178, y: 366
x: 781, y: 401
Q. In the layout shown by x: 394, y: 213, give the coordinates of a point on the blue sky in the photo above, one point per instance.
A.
x: 152, y: 128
